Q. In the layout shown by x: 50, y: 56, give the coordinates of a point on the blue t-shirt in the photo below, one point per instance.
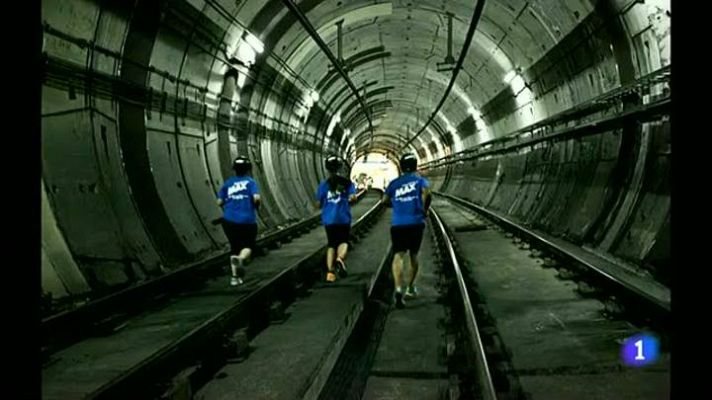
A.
x: 406, y: 197
x: 237, y: 194
x: 335, y: 208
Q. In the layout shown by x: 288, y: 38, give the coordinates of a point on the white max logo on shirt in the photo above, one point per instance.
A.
x: 237, y: 187
x: 333, y: 197
x: 405, y: 189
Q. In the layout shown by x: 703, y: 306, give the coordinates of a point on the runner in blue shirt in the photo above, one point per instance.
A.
x: 240, y: 198
x: 409, y: 195
x: 334, y: 197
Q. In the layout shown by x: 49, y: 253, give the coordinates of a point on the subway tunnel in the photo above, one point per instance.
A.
x: 551, y: 116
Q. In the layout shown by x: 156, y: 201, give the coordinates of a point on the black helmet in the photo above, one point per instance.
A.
x: 332, y: 164
x: 408, y: 162
x: 241, y: 165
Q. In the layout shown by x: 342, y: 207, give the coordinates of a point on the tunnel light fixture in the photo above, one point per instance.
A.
x: 254, y: 42
x: 241, y: 80
x: 314, y: 95
x: 510, y: 75
x: 246, y: 54
x: 344, y: 136
x: 517, y: 84
x: 332, y: 124
x: 475, y: 114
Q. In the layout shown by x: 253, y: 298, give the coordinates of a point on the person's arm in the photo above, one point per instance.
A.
x: 352, y: 193
x: 317, y: 202
x: 386, y: 197
x: 427, y: 196
x: 256, y: 198
x: 222, y: 195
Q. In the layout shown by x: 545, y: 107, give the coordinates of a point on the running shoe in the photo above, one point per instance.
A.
x: 412, y: 291
x: 341, y: 267
x: 400, y: 302
x: 235, y: 281
x: 330, y: 276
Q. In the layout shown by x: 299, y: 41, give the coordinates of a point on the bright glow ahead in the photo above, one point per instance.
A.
x: 374, y: 169
x: 315, y: 96
x: 255, y: 43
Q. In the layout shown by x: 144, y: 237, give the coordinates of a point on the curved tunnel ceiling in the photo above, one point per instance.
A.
x: 510, y: 35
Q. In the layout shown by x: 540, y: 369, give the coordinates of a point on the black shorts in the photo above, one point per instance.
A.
x: 407, y: 237
x: 241, y: 236
x: 337, y: 234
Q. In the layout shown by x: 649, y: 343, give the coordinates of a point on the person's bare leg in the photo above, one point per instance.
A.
x: 413, y: 271
x: 245, y: 255
x: 330, y: 258
x: 234, y: 264
x: 341, y: 258
x: 398, y: 270
x: 238, y: 262
x: 398, y: 278
x: 342, y: 250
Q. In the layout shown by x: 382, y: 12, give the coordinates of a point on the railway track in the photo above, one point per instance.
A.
x: 432, y: 349
x: 549, y: 329
x: 492, y: 322
x: 109, y: 312
x: 195, y: 328
x: 495, y: 318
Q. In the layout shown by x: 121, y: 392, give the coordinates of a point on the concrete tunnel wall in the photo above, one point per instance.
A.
x: 129, y: 190
x: 131, y: 164
x: 608, y: 192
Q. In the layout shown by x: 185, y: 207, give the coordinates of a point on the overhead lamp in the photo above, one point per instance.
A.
x: 254, y: 42
x: 517, y: 84
x: 510, y: 75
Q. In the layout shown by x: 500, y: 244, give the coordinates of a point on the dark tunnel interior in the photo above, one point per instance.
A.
x: 544, y: 124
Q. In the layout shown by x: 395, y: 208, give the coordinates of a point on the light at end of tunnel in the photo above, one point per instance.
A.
x: 374, y: 170
x: 345, y: 136
x: 315, y: 98
x: 254, y: 42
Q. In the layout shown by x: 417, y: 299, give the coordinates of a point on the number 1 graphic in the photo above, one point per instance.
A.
x: 639, y: 345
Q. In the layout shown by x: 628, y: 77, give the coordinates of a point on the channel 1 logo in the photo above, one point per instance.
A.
x: 640, y: 350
